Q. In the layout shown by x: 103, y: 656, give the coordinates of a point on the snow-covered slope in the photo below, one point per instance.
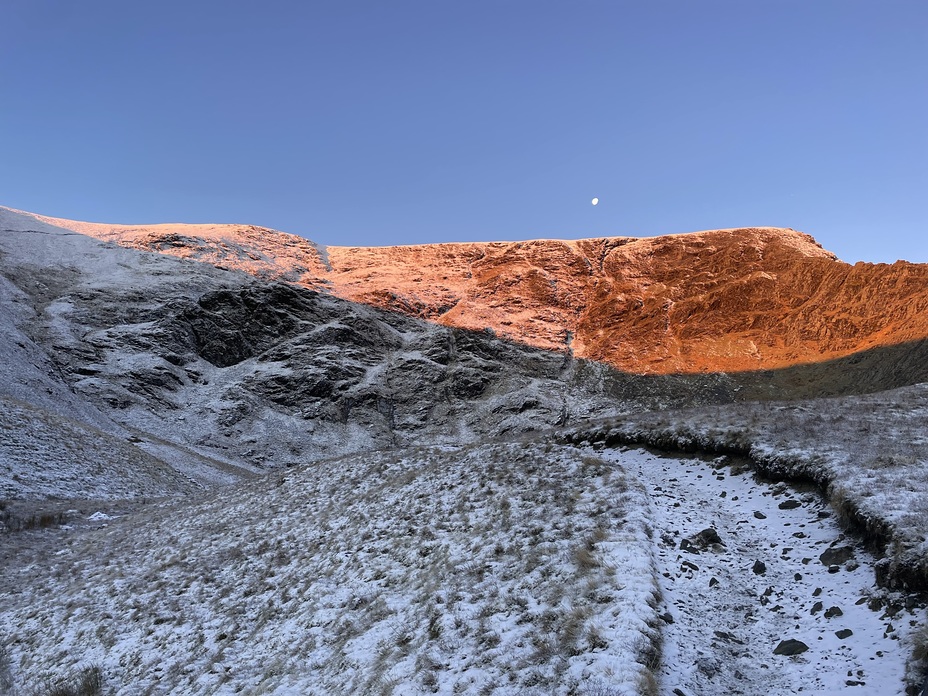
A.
x: 505, y: 569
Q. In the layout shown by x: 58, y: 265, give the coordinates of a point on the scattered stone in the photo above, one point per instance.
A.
x: 892, y: 608
x: 797, y: 577
x: 806, y: 561
x: 701, y: 541
x: 759, y: 515
x: 851, y: 682
x: 817, y: 592
x: 790, y: 647
x: 688, y: 546
x: 823, y: 514
x: 831, y: 612
x: 677, y: 692
x: 667, y: 617
x: 723, y: 494
x: 844, y: 633
x: 816, y: 608
x: 790, y: 504
x: 862, y: 600
x: 713, y: 582
x: 852, y: 565
x: 759, y: 567
x: 799, y: 535
x: 728, y: 637
x: 834, y: 569
x: 836, y: 555
x: 709, y: 536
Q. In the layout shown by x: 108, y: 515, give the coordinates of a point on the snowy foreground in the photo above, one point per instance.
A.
x: 728, y: 605
x: 507, y: 568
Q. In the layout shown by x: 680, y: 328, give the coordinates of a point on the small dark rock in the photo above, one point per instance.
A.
x: 836, y: 555
x: 790, y: 504
x: 831, y: 612
x: 817, y: 592
x: 844, y: 633
x: 708, y: 536
x: 667, y: 617
x: 728, y: 637
x: 713, y: 582
x: 816, y: 608
x: 759, y: 515
x: 834, y: 569
x: 759, y: 567
x: 790, y: 647
x: 688, y: 546
x: 797, y: 577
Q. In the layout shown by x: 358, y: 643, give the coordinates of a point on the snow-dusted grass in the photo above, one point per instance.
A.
x: 504, y: 568
x: 44, y: 456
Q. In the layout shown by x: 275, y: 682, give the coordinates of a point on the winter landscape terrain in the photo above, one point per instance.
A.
x: 234, y: 461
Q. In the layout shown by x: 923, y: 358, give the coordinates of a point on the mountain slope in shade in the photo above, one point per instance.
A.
x: 721, y: 300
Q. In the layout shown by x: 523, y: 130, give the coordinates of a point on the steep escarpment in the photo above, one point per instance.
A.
x: 717, y: 301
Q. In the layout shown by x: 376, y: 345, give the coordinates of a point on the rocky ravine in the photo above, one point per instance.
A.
x: 723, y: 300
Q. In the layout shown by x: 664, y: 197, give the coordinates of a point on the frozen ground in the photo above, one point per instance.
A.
x: 870, y: 452
x: 505, y: 569
x: 728, y: 618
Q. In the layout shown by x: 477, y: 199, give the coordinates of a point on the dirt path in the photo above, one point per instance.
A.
x: 730, y: 605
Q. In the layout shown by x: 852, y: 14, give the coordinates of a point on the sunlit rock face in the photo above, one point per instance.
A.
x: 721, y: 300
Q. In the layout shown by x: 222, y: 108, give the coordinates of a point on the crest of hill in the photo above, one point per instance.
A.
x: 730, y: 300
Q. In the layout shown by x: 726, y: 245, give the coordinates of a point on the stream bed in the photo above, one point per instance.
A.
x: 763, y: 592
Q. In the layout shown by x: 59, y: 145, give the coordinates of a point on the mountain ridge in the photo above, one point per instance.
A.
x: 739, y: 299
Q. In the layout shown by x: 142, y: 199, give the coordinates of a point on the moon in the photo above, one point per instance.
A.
x: 595, y: 201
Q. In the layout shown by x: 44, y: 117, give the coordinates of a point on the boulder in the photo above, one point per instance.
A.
x: 790, y: 647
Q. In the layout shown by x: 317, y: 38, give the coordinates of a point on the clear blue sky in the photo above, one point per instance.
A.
x: 369, y: 123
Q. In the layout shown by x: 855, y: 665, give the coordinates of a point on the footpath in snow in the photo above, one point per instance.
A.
x: 764, y: 594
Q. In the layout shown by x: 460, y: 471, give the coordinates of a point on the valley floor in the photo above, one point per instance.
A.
x: 726, y: 615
